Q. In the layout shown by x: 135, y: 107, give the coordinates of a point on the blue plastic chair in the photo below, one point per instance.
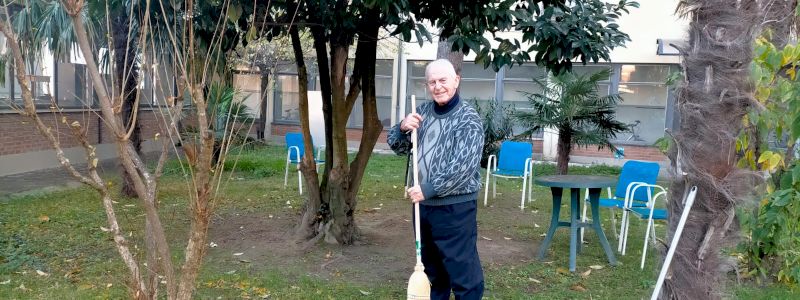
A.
x: 513, y: 161
x: 633, y: 173
x: 295, y: 152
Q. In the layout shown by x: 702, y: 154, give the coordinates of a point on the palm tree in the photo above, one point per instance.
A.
x: 571, y: 104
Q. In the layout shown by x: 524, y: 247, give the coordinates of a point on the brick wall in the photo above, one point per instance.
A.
x: 19, y: 135
x: 352, y: 134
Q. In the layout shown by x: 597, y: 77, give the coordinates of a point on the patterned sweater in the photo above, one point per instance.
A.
x: 450, y: 146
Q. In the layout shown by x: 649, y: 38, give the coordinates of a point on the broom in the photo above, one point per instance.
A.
x: 419, y: 287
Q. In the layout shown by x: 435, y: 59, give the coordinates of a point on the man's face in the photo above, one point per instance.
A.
x: 442, y: 85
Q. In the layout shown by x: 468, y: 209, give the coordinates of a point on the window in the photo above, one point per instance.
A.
x: 383, y: 97
x: 476, y: 82
x: 287, y: 95
x: 603, y: 87
x: 72, y: 85
x: 287, y: 98
x: 518, y: 83
x: 37, y: 82
x: 644, y: 98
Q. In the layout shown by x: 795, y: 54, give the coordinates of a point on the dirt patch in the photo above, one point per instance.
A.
x: 385, y: 252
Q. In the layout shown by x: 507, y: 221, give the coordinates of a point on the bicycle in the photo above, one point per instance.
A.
x: 634, y: 134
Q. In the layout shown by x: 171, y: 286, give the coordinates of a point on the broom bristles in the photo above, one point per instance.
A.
x: 419, y: 287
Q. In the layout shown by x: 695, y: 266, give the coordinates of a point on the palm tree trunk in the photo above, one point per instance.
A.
x: 564, y: 148
x: 712, y: 99
x: 127, y: 76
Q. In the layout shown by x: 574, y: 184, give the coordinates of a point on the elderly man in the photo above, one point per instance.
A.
x: 450, y: 137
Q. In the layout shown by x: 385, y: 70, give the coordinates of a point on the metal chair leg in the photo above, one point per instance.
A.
x: 286, y: 173
x: 646, y: 237
x: 299, y: 179
x: 583, y: 215
x: 524, y: 186
x: 486, y: 191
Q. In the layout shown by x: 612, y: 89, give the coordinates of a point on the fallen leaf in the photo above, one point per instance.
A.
x: 486, y: 238
x: 578, y: 287
x: 586, y: 274
x: 562, y: 271
x: 533, y: 280
x: 44, y: 218
x: 365, y: 293
x: 238, y: 253
x: 41, y: 273
x: 596, y: 267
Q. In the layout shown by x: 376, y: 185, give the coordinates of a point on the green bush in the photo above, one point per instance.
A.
x: 497, y: 126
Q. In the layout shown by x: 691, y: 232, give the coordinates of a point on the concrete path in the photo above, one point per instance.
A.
x: 52, y: 179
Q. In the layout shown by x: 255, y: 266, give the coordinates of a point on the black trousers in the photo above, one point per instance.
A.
x: 449, y: 251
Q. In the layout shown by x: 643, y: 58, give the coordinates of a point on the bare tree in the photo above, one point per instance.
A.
x: 193, y: 70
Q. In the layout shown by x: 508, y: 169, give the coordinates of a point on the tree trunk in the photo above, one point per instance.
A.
x: 125, y: 81
x: 261, y: 131
x: 313, y: 206
x: 330, y: 208
x: 445, y: 50
x: 564, y: 148
x: 712, y: 100
x: 779, y: 16
x: 203, y: 189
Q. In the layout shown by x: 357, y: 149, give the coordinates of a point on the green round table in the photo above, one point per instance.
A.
x: 576, y: 183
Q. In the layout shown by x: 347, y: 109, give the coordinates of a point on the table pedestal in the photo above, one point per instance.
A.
x: 575, y: 224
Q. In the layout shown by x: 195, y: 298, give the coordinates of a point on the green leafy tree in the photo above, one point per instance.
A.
x: 771, y: 247
x: 558, y: 31
x: 572, y: 104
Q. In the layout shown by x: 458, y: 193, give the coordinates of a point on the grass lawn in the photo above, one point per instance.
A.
x: 52, y: 245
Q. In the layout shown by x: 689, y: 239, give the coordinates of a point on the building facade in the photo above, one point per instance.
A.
x: 639, y: 74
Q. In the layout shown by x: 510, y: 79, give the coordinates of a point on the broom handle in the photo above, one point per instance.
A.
x: 416, y: 183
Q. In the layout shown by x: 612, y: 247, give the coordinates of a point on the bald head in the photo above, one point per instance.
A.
x: 441, y: 80
x: 441, y: 65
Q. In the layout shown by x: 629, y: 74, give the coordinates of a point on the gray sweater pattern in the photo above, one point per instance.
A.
x: 450, y: 147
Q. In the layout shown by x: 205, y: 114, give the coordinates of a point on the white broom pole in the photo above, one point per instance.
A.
x: 415, y: 165
x: 674, y: 244
x: 419, y: 287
